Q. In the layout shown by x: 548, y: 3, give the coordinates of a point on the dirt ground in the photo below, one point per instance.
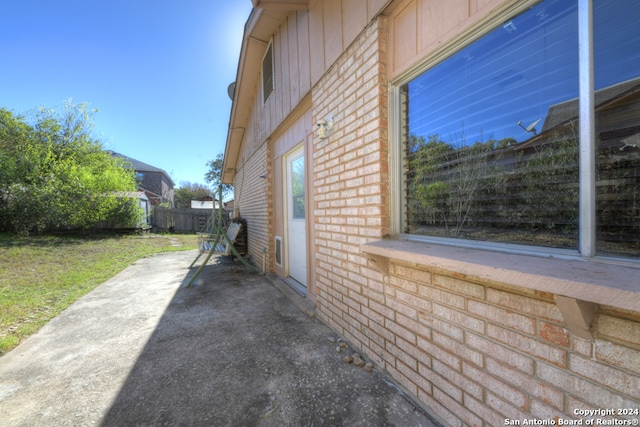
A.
x: 142, y: 349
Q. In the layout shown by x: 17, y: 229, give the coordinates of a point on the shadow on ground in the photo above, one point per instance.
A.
x: 231, y: 350
x: 144, y: 350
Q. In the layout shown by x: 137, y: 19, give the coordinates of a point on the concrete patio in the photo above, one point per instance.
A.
x: 232, y: 350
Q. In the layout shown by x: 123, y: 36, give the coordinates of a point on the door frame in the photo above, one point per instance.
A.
x: 296, y: 151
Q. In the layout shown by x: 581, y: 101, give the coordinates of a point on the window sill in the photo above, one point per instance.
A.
x: 593, y: 281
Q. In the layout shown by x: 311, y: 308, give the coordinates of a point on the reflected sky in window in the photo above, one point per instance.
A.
x: 616, y: 41
x: 511, y: 75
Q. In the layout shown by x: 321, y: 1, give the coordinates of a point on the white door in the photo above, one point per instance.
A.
x: 296, y: 217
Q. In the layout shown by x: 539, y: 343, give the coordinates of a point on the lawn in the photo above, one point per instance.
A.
x: 40, y: 276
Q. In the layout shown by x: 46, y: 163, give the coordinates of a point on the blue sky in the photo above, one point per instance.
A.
x: 157, y: 70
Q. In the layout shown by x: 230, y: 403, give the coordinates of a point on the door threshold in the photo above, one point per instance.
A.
x: 296, y: 286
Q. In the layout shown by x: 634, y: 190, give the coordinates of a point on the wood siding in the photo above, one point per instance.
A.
x: 421, y: 28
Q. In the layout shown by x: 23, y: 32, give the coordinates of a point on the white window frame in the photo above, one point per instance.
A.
x: 587, y: 177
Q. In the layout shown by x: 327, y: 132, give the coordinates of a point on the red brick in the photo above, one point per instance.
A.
x: 554, y: 334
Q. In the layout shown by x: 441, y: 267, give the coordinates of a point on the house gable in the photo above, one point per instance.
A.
x: 155, y: 182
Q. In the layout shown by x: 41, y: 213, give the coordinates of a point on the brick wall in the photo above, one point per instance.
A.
x: 474, y: 354
x: 478, y: 355
x: 253, y: 198
x: 350, y: 169
x: 350, y: 177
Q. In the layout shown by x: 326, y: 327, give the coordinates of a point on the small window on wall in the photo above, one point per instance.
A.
x: 267, y: 73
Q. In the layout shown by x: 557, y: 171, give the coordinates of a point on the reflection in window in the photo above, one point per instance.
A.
x: 617, y: 112
x: 490, y: 153
x: 297, y: 188
x: 490, y: 134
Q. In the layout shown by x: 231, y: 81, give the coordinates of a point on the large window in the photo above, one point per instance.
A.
x: 491, y: 134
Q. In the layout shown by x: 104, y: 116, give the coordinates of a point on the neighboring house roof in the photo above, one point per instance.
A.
x: 141, y: 166
x: 566, y: 113
x: 563, y: 112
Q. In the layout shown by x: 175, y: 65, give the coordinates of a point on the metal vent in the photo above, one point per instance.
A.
x: 279, y: 251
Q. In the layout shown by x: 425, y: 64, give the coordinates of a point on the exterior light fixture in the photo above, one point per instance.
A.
x: 324, y: 128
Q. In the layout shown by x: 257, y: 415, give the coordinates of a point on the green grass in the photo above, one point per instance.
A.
x: 40, y: 276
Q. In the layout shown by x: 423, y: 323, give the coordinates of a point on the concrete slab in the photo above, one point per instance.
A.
x: 142, y: 349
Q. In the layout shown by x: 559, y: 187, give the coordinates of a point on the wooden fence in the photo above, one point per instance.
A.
x: 181, y: 220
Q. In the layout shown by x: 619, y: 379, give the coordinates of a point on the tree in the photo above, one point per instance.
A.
x: 445, y: 179
x: 55, y: 174
x: 214, y: 176
x: 187, y: 192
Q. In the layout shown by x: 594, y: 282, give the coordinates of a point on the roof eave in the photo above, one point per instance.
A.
x: 263, y: 22
x: 281, y: 4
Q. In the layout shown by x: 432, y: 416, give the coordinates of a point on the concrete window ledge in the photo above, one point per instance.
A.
x: 579, y: 284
